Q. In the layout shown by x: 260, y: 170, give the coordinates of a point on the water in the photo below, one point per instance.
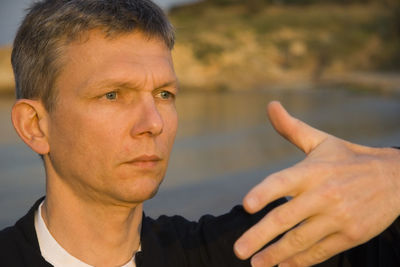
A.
x: 223, y: 148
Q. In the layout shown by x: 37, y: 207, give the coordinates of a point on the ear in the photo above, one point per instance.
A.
x: 30, y: 120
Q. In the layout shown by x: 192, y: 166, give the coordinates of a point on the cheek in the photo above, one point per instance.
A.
x: 81, y: 141
x: 171, y: 126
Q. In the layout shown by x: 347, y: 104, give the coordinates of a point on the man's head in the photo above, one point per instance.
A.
x: 110, y: 131
x: 50, y: 25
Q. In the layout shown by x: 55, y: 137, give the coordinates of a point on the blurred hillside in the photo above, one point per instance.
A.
x: 244, y: 45
x: 241, y: 45
x: 6, y: 74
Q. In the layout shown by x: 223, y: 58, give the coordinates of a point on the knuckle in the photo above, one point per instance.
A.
x: 254, y: 235
x: 335, y: 199
x: 354, y: 233
x: 299, y: 261
x: 319, y: 254
x: 279, y: 217
x: 343, y: 214
x: 266, y: 257
x: 297, y: 239
x: 332, y: 193
x: 281, y: 180
x: 257, y: 235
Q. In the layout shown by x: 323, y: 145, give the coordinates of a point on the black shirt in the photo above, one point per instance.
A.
x: 177, y: 242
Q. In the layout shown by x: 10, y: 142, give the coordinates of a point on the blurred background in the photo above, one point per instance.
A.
x: 332, y: 63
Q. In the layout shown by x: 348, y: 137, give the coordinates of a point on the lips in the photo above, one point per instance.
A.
x: 145, y: 161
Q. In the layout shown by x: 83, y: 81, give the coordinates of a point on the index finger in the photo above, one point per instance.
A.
x: 277, y: 185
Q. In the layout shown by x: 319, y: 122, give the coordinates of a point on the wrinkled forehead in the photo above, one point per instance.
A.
x: 133, y: 57
x: 97, y: 43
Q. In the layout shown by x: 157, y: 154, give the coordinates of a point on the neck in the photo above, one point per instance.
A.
x: 98, y: 234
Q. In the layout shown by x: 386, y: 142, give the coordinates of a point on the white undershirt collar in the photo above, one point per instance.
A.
x: 53, y: 253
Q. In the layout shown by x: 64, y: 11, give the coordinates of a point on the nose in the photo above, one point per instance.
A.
x: 148, y: 119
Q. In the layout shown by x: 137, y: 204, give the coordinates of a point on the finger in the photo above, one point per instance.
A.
x: 295, y: 241
x: 295, y: 131
x: 275, y: 223
x: 320, y: 252
x: 287, y: 182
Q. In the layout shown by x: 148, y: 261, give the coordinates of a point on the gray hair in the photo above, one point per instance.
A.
x: 52, y: 24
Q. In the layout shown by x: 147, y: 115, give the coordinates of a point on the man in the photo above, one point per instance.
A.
x: 96, y: 87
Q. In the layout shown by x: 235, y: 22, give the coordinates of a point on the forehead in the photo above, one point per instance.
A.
x: 132, y: 57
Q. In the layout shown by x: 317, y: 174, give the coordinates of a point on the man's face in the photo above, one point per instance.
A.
x: 114, y: 123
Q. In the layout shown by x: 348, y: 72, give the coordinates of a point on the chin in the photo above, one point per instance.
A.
x: 142, y: 190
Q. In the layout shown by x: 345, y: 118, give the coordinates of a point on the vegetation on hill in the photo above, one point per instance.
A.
x: 6, y: 74
x: 240, y: 45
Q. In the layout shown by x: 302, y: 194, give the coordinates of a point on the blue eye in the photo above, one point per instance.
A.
x: 165, y: 95
x: 111, y: 95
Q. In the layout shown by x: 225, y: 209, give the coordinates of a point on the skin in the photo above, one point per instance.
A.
x: 343, y: 195
x: 107, y: 143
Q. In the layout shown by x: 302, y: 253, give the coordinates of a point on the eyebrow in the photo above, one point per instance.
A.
x: 132, y: 85
x: 173, y: 83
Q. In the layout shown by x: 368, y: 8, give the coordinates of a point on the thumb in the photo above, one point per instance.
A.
x: 295, y: 131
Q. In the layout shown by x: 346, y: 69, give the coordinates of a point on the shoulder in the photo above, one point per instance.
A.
x: 7, y: 236
x: 19, y: 245
x: 237, y: 219
x: 9, y: 247
x: 231, y: 224
x: 206, y: 242
x: 186, y: 232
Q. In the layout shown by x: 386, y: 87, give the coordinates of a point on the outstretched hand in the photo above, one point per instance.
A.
x: 343, y: 194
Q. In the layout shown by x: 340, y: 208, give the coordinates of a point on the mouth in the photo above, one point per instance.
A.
x: 145, y: 161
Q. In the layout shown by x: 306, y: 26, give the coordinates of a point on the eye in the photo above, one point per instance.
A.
x: 166, y: 95
x: 111, y: 95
